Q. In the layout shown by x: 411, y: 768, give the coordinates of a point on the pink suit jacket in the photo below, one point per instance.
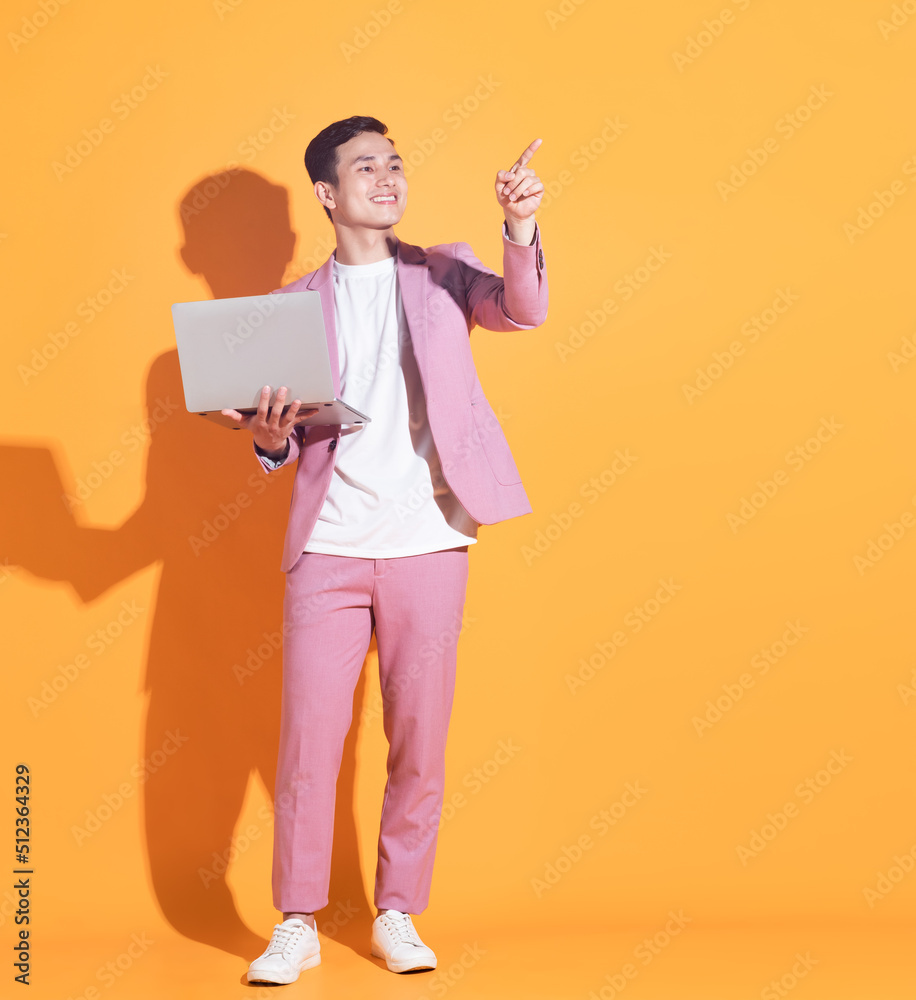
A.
x: 446, y: 292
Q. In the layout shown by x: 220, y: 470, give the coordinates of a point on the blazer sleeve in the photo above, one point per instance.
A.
x: 517, y: 301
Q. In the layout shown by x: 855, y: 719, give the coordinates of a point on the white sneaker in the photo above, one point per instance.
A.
x: 293, y: 948
x: 395, y: 939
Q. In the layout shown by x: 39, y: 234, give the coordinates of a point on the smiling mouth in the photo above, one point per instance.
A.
x: 384, y: 199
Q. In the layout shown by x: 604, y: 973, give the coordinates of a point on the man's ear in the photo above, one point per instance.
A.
x: 325, y: 194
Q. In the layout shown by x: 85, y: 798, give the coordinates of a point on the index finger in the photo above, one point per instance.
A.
x: 526, y: 155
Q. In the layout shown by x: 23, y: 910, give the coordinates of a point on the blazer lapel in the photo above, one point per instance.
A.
x: 413, y: 275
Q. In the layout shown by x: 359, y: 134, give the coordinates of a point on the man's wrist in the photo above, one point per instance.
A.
x: 274, y: 456
x: 523, y: 233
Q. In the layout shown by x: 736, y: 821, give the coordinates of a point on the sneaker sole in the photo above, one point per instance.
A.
x: 401, y: 966
x: 282, y: 980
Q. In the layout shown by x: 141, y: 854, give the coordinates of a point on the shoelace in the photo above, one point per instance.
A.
x: 282, y: 939
x: 403, y: 929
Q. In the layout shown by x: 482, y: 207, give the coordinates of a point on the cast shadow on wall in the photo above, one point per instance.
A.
x: 215, y: 522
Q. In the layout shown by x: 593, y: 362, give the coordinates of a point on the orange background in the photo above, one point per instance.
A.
x: 759, y: 153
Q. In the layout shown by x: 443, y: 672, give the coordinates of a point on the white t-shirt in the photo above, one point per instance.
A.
x: 387, y: 496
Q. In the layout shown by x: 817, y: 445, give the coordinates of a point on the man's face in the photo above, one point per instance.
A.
x: 371, y: 189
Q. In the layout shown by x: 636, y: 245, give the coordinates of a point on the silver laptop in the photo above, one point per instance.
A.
x: 229, y: 349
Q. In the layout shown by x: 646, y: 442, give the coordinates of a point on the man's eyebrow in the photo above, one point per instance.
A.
x: 372, y: 156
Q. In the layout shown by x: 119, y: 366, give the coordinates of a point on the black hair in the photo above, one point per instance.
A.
x: 321, y: 153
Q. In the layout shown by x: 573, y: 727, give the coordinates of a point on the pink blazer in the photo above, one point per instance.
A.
x: 446, y: 292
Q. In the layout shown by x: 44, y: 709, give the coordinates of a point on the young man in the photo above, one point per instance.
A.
x: 381, y: 518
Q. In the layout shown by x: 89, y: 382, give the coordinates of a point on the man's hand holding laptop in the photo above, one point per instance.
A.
x: 270, y: 426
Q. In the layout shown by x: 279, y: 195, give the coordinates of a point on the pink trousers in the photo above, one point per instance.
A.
x: 332, y: 603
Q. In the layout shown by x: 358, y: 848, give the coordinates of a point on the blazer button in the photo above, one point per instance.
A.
x: 333, y: 444
x: 541, y: 259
